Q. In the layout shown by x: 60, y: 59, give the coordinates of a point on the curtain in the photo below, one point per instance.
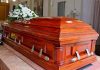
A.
x: 96, y: 18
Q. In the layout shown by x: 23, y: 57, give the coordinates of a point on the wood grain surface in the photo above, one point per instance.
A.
x: 53, y: 43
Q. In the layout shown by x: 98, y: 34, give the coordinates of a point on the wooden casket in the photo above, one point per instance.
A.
x: 57, y: 43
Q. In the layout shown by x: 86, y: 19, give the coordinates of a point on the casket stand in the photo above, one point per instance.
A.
x: 57, y: 43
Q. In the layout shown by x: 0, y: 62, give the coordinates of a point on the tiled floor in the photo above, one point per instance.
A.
x: 10, y: 58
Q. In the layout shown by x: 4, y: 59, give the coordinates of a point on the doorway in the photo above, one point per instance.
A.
x: 61, y: 8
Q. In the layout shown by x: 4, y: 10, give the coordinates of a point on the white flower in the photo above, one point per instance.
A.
x: 15, y: 16
x: 30, y: 14
x: 24, y: 15
x: 22, y: 12
x: 17, y: 11
x: 20, y: 5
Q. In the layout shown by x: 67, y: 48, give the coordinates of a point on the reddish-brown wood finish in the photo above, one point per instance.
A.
x: 53, y: 43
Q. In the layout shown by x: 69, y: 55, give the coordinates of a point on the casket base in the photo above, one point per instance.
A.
x: 49, y: 66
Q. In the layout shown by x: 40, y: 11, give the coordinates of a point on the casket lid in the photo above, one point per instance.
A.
x: 60, y: 29
x: 58, y: 22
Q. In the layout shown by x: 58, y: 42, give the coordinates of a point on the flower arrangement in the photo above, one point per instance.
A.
x: 21, y: 12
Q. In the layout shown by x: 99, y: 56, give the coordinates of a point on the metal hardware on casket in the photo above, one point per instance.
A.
x: 32, y: 50
x: 74, y: 59
x: 46, y: 58
x: 78, y: 56
x: 19, y: 42
x: 92, y: 53
x: 15, y: 40
x: 88, y: 53
x: 40, y: 53
x: 7, y: 36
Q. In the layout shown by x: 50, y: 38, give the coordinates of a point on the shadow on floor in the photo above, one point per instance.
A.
x: 83, y: 68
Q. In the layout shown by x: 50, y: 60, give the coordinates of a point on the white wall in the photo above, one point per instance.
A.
x: 87, y: 12
x: 51, y: 7
x: 69, y: 6
x: 85, y: 7
x: 45, y: 7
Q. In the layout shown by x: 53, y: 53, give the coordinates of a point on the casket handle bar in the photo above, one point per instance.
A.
x: 88, y: 53
x: 32, y: 50
x: 7, y: 36
x: 77, y: 57
x: 19, y: 42
x: 15, y: 40
x: 40, y: 53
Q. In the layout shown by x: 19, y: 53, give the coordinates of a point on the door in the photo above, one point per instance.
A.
x: 61, y: 8
x: 69, y: 8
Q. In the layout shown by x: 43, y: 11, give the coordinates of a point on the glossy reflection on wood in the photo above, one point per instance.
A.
x: 55, y: 43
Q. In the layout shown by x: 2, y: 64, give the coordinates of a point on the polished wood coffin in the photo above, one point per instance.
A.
x: 53, y: 43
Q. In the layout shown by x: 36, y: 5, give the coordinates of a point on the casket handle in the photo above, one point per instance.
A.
x: 7, y: 36
x: 76, y: 58
x: 40, y: 53
x: 15, y: 40
x: 19, y: 42
x: 78, y: 55
x: 88, y: 53
x: 32, y: 50
x: 47, y: 58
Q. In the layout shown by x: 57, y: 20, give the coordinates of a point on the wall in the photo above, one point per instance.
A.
x: 85, y: 7
x: 51, y: 7
x: 87, y: 13
x: 69, y: 5
x: 45, y: 7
